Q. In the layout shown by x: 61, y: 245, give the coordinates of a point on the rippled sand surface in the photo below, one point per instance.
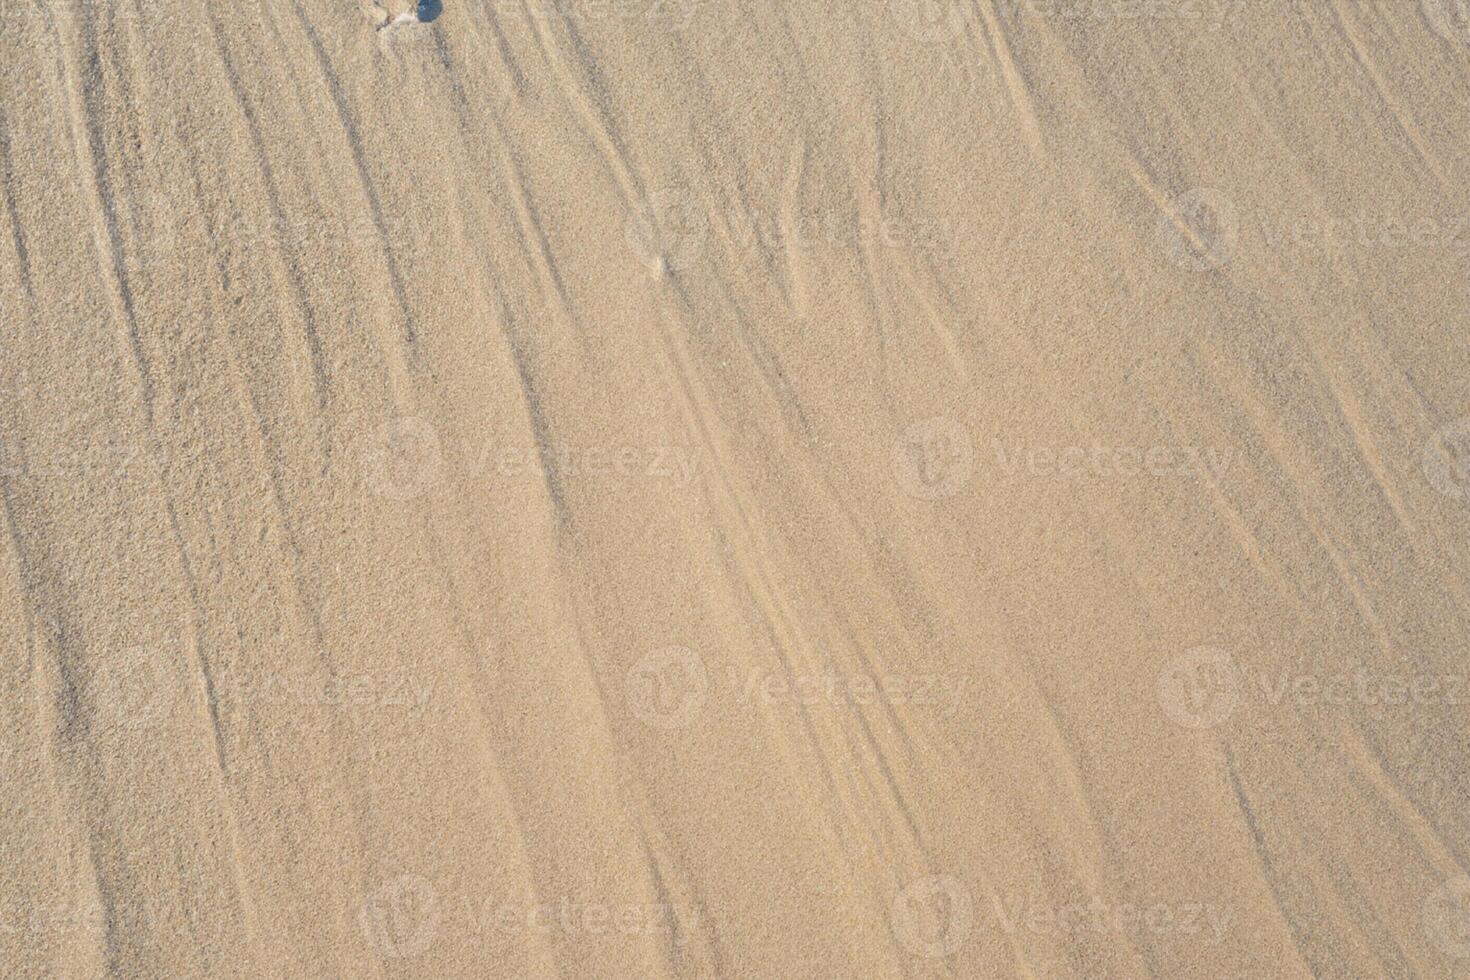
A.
x: 735, y: 488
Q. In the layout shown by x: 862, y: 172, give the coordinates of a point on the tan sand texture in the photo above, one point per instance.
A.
x: 735, y: 488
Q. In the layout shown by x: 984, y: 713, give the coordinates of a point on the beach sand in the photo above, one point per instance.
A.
x: 732, y: 488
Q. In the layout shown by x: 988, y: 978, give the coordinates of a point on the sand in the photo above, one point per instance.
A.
x: 694, y: 488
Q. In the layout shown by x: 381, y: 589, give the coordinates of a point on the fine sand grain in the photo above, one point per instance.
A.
x: 735, y: 488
